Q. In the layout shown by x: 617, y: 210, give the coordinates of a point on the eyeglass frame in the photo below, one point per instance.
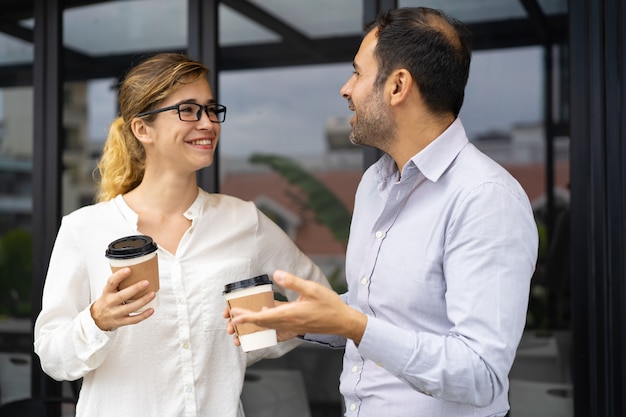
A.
x: 220, y: 109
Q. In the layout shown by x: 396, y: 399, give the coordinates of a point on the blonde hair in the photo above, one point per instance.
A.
x: 146, y: 85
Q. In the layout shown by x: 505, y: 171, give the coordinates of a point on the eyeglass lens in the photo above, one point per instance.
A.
x: 191, y: 112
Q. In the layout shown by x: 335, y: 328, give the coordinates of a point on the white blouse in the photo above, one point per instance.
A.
x: 180, y: 361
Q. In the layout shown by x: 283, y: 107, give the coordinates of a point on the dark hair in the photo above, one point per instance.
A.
x: 433, y: 47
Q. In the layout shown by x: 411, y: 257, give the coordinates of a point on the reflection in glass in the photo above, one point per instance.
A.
x: 473, y: 11
x: 298, y: 115
x: 126, y: 27
x: 16, y: 138
x: 14, y: 50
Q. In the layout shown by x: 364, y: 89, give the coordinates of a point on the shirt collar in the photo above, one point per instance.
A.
x: 433, y: 160
x: 196, y: 207
x: 191, y: 213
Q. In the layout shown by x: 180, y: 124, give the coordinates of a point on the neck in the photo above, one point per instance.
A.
x: 167, y: 195
x: 415, y: 135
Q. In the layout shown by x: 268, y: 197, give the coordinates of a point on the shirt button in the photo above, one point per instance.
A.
x: 188, y: 389
x: 364, y: 281
x: 379, y: 234
x: 189, y: 213
x: 355, y: 369
x: 352, y: 407
x: 185, y: 345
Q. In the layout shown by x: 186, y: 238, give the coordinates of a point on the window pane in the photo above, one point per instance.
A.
x: 295, y: 113
x: 504, y: 114
x: 16, y: 139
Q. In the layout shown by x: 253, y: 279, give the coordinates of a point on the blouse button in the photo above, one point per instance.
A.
x: 379, y: 234
x: 364, y: 281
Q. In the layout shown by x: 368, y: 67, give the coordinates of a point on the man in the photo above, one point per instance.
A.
x: 442, y: 243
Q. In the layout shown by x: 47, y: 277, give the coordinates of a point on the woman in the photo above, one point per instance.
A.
x: 176, y: 359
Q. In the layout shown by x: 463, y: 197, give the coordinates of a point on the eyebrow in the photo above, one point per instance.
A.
x: 192, y: 101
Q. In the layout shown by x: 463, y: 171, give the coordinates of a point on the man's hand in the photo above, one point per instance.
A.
x: 281, y: 336
x: 317, y: 310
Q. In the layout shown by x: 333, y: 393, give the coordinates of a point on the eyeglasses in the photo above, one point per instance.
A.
x: 192, y: 112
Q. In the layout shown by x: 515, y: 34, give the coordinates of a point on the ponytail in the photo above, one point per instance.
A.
x: 122, y: 164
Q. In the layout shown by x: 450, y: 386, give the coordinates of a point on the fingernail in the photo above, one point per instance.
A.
x: 279, y: 276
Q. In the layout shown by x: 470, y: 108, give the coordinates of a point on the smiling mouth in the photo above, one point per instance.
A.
x: 201, y: 142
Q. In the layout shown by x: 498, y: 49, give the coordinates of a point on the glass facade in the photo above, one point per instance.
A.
x: 280, y: 65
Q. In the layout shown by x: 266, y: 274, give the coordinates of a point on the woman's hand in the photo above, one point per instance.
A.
x: 111, y: 311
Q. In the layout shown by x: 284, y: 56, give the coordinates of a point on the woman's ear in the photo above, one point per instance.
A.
x: 399, y: 85
x: 141, y: 130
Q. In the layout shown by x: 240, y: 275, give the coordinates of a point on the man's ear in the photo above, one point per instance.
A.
x: 141, y: 130
x: 399, y: 86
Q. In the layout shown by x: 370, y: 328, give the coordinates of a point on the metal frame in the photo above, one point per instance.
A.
x: 598, y: 159
x: 294, y: 49
x: 202, y: 45
x: 48, y: 107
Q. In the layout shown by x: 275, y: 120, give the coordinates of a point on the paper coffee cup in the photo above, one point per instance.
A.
x: 139, y: 253
x: 252, y: 294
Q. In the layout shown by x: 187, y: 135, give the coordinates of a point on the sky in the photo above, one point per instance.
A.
x: 287, y: 109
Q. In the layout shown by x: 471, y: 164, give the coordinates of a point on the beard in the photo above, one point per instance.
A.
x: 373, y: 125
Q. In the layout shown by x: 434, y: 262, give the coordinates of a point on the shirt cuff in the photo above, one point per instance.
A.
x: 387, y: 345
x: 89, y: 331
x: 329, y: 340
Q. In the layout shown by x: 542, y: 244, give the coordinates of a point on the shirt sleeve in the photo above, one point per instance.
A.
x: 66, y: 338
x: 489, y: 258
x: 277, y: 251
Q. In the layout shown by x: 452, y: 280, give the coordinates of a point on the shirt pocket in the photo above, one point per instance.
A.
x: 213, y: 301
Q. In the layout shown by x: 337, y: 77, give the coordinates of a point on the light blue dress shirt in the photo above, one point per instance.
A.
x: 440, y: 259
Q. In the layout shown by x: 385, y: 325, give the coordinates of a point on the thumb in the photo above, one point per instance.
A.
x: 291, y: 282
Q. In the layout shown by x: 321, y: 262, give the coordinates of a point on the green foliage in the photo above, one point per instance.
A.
x: 15, y: 273
x: 327, y: 209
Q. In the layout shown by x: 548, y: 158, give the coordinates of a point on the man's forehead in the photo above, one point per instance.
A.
x: 365, y: 55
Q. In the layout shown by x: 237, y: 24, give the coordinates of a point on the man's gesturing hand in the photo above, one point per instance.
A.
x: 317, y: 310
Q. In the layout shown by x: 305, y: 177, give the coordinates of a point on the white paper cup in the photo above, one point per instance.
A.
x: 252, y: 294
x: 139, y: 253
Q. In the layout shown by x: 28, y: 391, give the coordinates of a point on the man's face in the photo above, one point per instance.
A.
x: 372, y: 124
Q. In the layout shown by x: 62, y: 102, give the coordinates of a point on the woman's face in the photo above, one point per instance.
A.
x: 184, y: 146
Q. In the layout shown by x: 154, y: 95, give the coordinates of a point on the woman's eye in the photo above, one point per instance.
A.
x: 187, y: 109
